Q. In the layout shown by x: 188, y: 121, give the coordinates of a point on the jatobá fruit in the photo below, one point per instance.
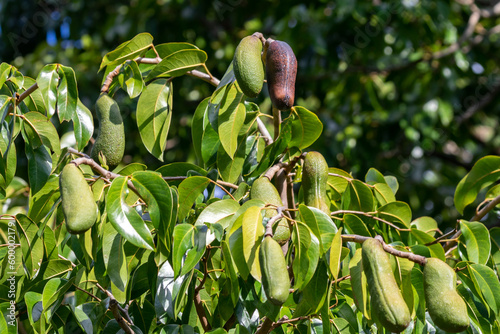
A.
x: 77, y: 200
x: 446, y: 308
x: 110, y: 141
x: 274, y: 271
x: 314, y: 181
x: 248, y: 67
x: 386, y: 302
x: 281, y: 71
x: 264, y: 190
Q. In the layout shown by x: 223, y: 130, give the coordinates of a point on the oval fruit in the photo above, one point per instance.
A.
x: 281, y: 71
x: 274, y: 271
x: 110, y: 141
x: 314, y: 181
x: 386, y: 301
x: 248, y: 67
x: 446, y: 307
x: 264, y: 190
x: 77, y: 200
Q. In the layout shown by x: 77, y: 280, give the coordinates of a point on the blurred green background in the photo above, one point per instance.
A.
x: 373, y: 71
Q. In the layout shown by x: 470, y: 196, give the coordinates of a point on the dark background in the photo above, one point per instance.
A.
x: 375, y: 73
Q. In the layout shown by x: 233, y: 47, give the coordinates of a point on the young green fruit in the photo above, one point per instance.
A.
x: 110, y: 141
x: 314, y: 182
x: 274, y: 271
x: 387, y: 302
x: 446, y: 308
x: 77, y: 200
x: 248, y: 67
x: 264, y: 190
x: 281, y: 70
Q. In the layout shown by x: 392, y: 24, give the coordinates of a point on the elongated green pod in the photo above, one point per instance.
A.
x: 77, y: 200
x: 314, y: 181
x: 274, y: 271
x: 110, y: 141
x: 281, y: 71
x: 446, y: 307
x: 386, y: 300
x: 248, y: 67
x: 264, y: 190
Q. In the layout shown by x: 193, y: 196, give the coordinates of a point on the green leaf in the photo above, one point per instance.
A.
x: 231, y: 120
x: 306, y: 128
x: 235, y: 242
x: 359, y: 284
x: 154, y: 113
x: 48, y: 80
x: 423, y: 238
x: 201, y: 129
x: 373, y: 177
x: 128, y: 50
x: 230, y: 169
x: 162, y: 205
x: 396, y: 212
x: 178, y: 63
x: 338, y: 182
x: 425, y: 224
x: 320, y: 224
x: 358, y: 196
x: 8, y: 322
x: 56, y: 267
x: 33, y: 302
x: 53, y: 290
x: 219, y: 212
x: 484, y: 172
x: 41, y: 202
x: 31, y: 244
x: 335, y: 254
x: 189, y: 190
x: 34, y: 101
x: 306, y: 254
x: 125, y: 219
x: 252, y: 232
x: 83, y: 125
x: 67, y: 93
x: 488, y: 284
x: 114, y: 256
x: 189, y: 241
x: 477, y: 241
x: 356, y: 225
x: 44, y: 129
x: 39, y: 167
x: 314, y: 293
x: 383, y: 193
x: 130, y: 79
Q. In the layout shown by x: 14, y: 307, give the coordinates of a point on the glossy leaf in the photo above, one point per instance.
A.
x: 356, y: 225
x: 154, y: 112
x: 423, y: 238
x: 484, y: 172
x: 43, y: 129
x: 39, y: 167
x: 67, y: 93
x: 307, y: 249
x: 189, y: 241
x: 231, y: 119
x: 124, y: 218
x: 189, y: 190
x: 477, y: 241
x: 114, y: 256
x: 358, y: 196
x: 488, y: 284
x: 396, y: 212
x: 130, y: 79
x: 48, y: 80
x: 306, y: 128
x: 128, y: 50
x: 320, y: 224
x: 252, y: 232
x: 41, y: 203
x: 425, y: 224
x: 359, y: 284
x: 219, y: 212
x: 31, y: 244
x: 53, y: 290
x: 335, y: 254
x: 383, y: 193
x: 178, y: 63
x: 83, y: 125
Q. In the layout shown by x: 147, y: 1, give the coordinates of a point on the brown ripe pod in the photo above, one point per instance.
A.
x: 281, y: 70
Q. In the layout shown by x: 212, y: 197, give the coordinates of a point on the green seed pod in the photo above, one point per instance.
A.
x: 77, y: 200
x: 446, y: 307
x: 274, y: 271
x: 264, y: 190
x: 248, y: 67
x: 281, y: 71
x: 110, y: 139
x: 314, y: 182
x: 386, y: 302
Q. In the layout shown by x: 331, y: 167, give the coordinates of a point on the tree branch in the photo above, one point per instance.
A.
x: 367, y: 214
x: 116, y: 309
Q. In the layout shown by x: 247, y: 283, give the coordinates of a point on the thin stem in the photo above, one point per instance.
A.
x: 368, y: 214
x: 263, y: 130
x: 88, y: 293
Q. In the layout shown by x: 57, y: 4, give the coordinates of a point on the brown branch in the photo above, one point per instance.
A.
x: 113, y: 306
x: 477, y: 217
x: 272, y: 220
x: 198, y: 304
x: 285, y: 320
x: 205, y: 273
x: 88, y: 293
x: 443, y: 237
x: 263, y: 130
x: 266, y: 327
x: 370, y: 215
x: 340, y: 279
x: 205, y: 77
